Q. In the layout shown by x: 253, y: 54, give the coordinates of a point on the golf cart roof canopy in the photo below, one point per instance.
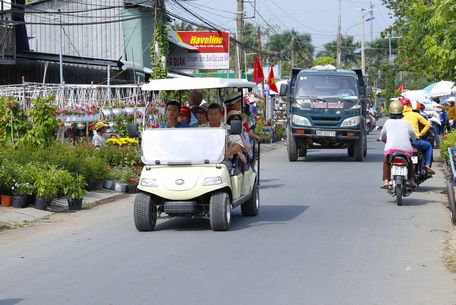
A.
x: 196, y: 83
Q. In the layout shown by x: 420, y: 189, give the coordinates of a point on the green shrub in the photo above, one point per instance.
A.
x: 448, y: 141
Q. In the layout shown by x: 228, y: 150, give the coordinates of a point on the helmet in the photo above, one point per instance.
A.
x: 396, y: 107
x: 405, y: 101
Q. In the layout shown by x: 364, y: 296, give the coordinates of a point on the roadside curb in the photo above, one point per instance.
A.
x: 11, y: 218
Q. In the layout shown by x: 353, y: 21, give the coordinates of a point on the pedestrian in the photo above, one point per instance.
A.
x: 451, y: 108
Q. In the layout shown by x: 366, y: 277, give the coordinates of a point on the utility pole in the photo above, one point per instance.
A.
x: 338, y: 52
x: 363, y: 60
x: 239, y: 31
x: 371, y: 17
x: 292, y: 49
x: 61, y: 47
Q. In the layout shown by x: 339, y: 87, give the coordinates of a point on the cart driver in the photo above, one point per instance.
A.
x: 234, y: 143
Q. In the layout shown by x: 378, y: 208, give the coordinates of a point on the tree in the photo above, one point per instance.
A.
x: 350, y: 53
x: 159, y: 69
x: 428, y: 31
x: 324, y: 60
x: 293, y: 47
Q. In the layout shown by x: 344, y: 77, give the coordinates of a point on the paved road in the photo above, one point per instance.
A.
x: 326, y: 235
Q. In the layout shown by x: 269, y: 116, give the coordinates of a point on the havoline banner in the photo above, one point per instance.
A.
x: 212, y: 51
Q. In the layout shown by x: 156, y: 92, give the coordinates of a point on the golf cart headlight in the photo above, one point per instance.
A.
x: 149, y: 182
x: 300, y: 120
x: 212, y: 181
x: 350, y: 122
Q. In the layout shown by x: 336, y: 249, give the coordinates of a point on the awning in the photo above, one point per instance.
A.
x: 129, y: 66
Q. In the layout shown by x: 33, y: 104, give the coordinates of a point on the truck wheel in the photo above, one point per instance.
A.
x: 145, y: 212
x: 359, y: 148
x: 351, y: 149
x: 220, y: 211
x: 252, y: 206
x: 291, y: 147
x: 365, y: 147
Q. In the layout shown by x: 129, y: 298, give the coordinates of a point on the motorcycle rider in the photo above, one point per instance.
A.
x: 397, y: 133
x: 415, y: 119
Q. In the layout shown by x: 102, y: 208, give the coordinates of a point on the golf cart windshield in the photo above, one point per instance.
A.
x: 183, y: 145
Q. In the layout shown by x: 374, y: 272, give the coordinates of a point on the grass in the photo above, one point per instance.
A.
x: 450, y: 251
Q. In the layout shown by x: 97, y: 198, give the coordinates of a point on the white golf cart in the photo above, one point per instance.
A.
x: 183, y: 174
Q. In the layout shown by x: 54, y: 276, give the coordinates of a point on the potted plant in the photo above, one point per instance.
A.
x: 120, y: 185
x: 75, y: 191
x: 47, y: 185
x: 6, y: 183
x: 23, y: 186
x: 109, y: 179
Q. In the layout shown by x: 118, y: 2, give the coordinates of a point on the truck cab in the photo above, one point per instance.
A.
x: 326, y: 109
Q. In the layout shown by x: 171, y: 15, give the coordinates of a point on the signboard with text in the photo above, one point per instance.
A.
x: 212, y: 51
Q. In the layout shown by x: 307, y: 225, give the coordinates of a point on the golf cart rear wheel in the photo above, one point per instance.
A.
x: 252, y: 206
x: 220, y: 211
x: 145, y: 212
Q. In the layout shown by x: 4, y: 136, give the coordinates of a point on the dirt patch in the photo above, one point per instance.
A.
x: 450, y: 251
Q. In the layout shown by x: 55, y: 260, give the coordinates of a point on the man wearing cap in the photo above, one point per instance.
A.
x: 451, y: 112
x: 99, y: 136
x: 172, y: 112
x: 234, y: 143
x: 233, y: 102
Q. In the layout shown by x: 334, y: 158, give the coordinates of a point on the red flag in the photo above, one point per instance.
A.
x: 257, y: 76
x: 271, y: 81
x: 400, y: 89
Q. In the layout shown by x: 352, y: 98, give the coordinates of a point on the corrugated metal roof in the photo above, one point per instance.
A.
x: 86, y: 40
x: 146, y: 3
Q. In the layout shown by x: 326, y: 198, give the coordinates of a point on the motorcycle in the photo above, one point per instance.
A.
x: 399, y: 165
x: 421, y: 174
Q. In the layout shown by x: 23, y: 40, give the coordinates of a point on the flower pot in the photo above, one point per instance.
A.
x: 98, y: 184
x: 132, y: 188
x: 20, y: 202
x: 41, y: 203
x: 120, y: 187
x: 108, y: 184
x: 6, y: 200
x: 74, y: 204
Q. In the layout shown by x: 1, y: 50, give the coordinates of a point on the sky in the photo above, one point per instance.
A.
x: 319, y: 18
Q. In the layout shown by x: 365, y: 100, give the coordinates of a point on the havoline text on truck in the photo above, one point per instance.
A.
x: 326, y: 109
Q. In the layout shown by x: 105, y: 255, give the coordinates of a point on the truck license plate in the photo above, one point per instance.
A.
x: 326, y: 133
x: 399, y: 171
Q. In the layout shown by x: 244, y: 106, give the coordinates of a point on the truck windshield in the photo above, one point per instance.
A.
x: 326, y: 86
